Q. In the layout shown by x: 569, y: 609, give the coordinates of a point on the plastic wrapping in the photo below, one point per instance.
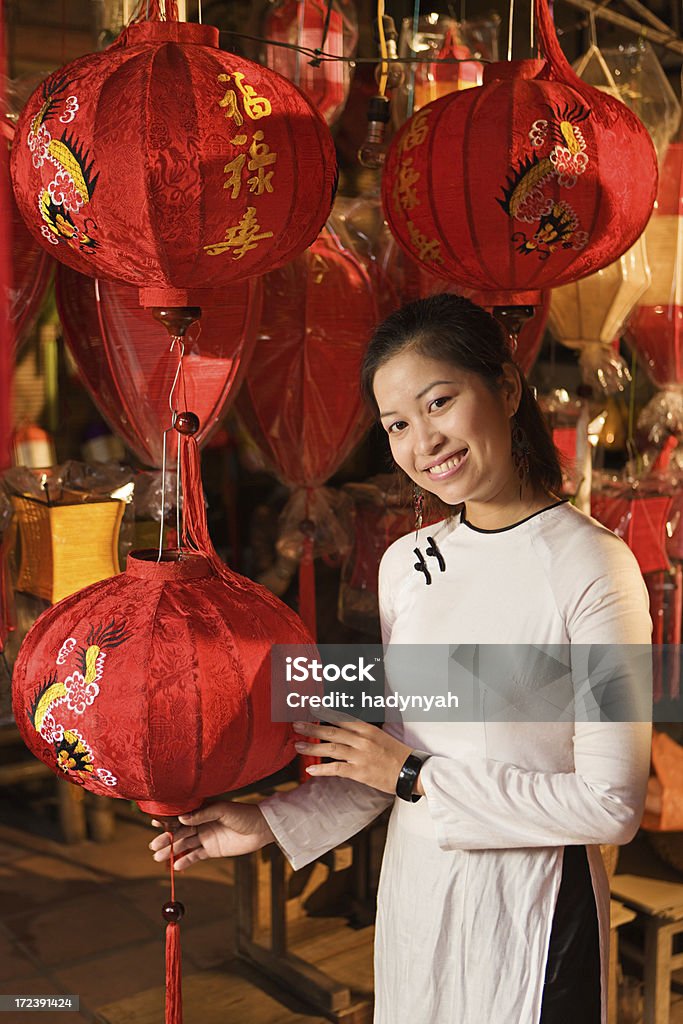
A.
x: 576, y: 425
x: 633, y: 74
x: 640, y: 512
x: 656, y: 328
x: 361, y: 226
x: 125, y: 359
x: 442, y: 37
x: 305, y: 23
x: 662, y: 417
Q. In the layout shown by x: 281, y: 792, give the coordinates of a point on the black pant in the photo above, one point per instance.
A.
x: 571, y: 990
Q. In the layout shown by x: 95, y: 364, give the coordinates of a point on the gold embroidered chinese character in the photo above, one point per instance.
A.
x: 261, y: 157
x: 427, y: 248
x: 417, y: 131
x: 229, y: 102
x: 405, y: 195
x: 255, y: 106
x: 241, y: 237
x: 234, y: 173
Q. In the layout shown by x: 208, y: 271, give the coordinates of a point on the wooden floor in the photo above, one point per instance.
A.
x: 238, y: 994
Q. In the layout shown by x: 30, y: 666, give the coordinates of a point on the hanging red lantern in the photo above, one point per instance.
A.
x: 314, y: 25
x: 218, y: 168
x: 530, y: 181
x: 127, y: 365
x: 31, y: 275
x: 31, y: 265
x: 301, y: 402
x: 154, y: 685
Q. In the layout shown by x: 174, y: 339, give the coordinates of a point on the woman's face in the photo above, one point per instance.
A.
x: 448, y: 430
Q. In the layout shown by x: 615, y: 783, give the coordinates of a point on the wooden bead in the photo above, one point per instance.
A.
x: 187, y: 423
x: 172, y: 911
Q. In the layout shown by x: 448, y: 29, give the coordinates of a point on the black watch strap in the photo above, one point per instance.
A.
x: 407, y: 777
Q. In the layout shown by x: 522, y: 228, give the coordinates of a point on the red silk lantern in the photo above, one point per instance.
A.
x: 127, y: 365
x: 154, y: 685
x: 530, y: 181
x: 218, y: 168
x: 31, y: 275
x: 301, y: 402
x: 307, y: 23
x: 656, y: 327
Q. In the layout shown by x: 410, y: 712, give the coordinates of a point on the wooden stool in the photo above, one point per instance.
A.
x: 660, y: 905
x: 618, y: 915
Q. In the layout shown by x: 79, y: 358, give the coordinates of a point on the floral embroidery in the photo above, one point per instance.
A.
x: 525, y: 195
x: 70, y: 110
x: 66, y: 649
x: 538, y: 133
x: 79, y: 691
x: 79, y: 694
x: 64, y: 192
x: 50, y: 731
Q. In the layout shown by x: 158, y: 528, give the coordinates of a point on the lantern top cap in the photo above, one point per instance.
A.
x: 173, y: 567
x: 171, y: 32
x: 518, y: 69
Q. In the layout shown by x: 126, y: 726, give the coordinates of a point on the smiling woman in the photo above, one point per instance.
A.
x: 462, y: 421
x: 493, y: 903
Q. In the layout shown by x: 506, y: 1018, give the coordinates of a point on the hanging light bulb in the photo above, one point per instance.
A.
x: 372, y: 153
x: 395, y: 74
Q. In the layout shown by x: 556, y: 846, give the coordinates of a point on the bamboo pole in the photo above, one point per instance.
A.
x: 653, y: 35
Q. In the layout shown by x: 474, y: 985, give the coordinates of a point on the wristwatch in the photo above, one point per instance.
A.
x: 407, y: 777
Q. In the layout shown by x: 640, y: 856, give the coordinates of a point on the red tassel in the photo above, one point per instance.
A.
x: 174, y: 997
x: 172, y: 913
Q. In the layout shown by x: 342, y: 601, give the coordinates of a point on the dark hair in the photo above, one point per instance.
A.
x: 455, y: 330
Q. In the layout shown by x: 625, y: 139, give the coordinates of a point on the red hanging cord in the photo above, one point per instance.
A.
x: 173, y: 912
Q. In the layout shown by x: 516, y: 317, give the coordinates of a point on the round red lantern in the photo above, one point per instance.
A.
x: 155, y: 685
x: 172, y: 165
x: 127, y: 364
x: 531, y: 180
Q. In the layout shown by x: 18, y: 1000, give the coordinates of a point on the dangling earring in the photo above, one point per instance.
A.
x: 418, y: 506
x: 521, y: 450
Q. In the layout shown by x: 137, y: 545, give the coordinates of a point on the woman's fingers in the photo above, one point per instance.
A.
x: 191, y: 857
x: 164, y: 840
x: 340, y: 751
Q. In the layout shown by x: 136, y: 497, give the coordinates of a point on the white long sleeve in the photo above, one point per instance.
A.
x: 321, y: 814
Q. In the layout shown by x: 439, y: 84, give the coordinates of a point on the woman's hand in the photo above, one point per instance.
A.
x: 360, y: 751
x: 223, y: 829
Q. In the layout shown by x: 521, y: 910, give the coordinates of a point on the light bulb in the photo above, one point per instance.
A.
x: 373, y: 152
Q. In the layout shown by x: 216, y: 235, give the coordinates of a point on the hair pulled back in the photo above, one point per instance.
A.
x: 453, y: 329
